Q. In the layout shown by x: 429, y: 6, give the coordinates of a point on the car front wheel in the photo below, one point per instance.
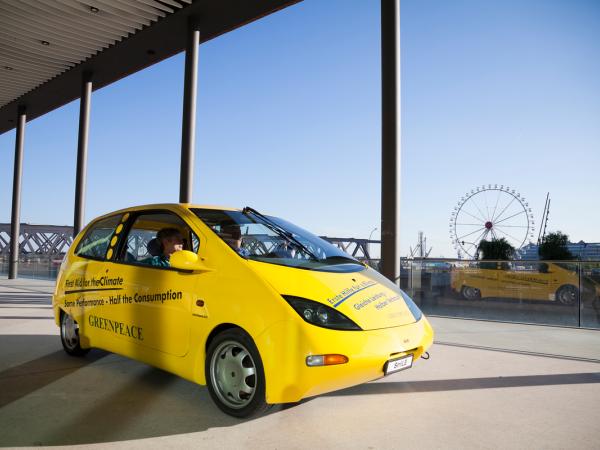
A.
x: 69, y: 336
x: 235, y: 375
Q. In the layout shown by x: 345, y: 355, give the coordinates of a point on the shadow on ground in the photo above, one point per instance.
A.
x: 19, y: 381
x: 56, y: 399
x: 470, y: 383
x: 61, y: 400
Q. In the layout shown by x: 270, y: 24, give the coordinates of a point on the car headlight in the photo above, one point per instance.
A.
x: 414, y: 309
x: 320, y: 315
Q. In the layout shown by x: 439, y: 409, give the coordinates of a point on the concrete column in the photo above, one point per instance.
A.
x: 188, y: 128
x: 390, y: 138
x: 15, y: 219
x: 82, y: 149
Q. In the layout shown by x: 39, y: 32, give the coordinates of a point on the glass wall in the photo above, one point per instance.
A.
x: 540, y: 292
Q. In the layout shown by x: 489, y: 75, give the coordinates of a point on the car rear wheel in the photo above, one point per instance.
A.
x: 235, y: 375
x: 69, y: 336
x: 567, y: 294
x: 470, y: 293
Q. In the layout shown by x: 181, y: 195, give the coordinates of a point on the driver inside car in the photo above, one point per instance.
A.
x: 169, y: 240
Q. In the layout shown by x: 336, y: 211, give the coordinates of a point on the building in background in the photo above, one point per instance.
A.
x: 585, y: 251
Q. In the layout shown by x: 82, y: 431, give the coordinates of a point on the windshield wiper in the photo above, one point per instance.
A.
x: 279, y: 230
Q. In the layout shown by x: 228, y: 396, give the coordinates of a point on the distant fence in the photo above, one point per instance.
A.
x: 44, y: 267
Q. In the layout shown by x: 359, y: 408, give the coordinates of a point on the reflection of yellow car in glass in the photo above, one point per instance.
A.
x: 550, y: 282
x: 254, y: 307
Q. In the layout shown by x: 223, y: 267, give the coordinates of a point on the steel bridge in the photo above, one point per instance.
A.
x: 37, y: 239
x: 56, y: 239
x: 359, y: 248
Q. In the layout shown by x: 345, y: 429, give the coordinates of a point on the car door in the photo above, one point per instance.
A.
x: 156, y: 300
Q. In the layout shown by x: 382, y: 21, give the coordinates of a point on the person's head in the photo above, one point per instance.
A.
x: 170, y: 240
x: 232, y: 234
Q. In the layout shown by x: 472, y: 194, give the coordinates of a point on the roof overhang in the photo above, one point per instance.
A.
x: 153, y: 43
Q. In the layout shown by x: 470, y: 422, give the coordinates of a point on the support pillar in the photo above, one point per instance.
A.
x: 15, y: 219
x: 390, y: 138
x: 188, y: 128
x: 82, y: 149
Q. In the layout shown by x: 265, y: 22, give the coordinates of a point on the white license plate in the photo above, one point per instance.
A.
x: 395, y: 365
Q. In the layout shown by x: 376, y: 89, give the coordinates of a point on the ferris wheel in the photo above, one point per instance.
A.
x: 490, y: 212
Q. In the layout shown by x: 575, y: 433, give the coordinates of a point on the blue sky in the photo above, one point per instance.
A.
x: 289, y: 120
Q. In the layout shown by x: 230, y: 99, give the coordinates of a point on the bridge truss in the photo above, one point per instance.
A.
x: 359, y: 248
x: 56, y: 239
x: 38, y: 239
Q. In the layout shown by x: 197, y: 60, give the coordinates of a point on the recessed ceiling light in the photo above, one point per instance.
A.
x: 45, y: 43
x: 94, y: 9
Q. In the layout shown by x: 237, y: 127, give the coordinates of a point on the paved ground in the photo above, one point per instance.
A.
x: 487, y: 385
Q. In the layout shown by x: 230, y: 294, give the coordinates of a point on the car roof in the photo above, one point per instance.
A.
x: 155, y: 206
x: 152, y: 206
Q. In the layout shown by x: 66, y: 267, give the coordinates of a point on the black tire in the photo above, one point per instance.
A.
x: 567, y: 295
x: 69, y: 336
x: 470, y: 293
x: 235, y: 382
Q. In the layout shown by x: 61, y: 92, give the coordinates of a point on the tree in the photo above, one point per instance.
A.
x: 554, y: 247
x: 498, y: 249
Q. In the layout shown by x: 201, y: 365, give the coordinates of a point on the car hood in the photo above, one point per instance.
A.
x: 366, y: 297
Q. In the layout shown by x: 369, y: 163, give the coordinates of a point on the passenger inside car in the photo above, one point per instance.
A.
x: 232, y: 234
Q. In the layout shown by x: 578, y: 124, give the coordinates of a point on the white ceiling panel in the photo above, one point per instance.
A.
x: 40, y: 39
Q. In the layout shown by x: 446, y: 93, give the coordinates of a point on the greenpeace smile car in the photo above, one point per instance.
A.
x: 256, y: 308
x: 554, y: 282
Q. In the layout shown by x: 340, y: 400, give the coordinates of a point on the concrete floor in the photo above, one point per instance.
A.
x: 487, y: 385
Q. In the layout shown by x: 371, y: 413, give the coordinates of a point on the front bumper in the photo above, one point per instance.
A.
x: 285, y: 346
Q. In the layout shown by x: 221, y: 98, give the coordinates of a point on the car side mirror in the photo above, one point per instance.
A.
x: 188, y: 261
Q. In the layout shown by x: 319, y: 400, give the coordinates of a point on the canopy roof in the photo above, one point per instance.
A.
x: 47, y: 45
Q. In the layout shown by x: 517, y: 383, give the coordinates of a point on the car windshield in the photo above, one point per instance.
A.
x: 276, y: 241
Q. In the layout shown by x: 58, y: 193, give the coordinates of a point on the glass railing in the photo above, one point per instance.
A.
x: 44, y: 267
x: 565, y: 293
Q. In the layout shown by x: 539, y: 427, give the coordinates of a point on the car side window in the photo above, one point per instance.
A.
x: 195, y: 243
x: 96, y: 241
x: 144, y: 242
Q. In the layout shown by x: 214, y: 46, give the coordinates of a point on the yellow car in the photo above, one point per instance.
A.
x: 550, y: 282
x: 256, y: 308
